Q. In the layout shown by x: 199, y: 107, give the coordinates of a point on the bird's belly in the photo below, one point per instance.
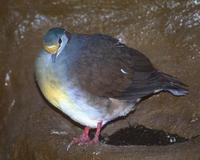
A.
x: 75, y: 106
x: 85, y: 116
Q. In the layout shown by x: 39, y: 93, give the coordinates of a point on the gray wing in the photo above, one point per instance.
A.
x: 109, y: 68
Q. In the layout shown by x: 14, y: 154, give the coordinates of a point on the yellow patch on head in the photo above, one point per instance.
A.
x: 52, y: 49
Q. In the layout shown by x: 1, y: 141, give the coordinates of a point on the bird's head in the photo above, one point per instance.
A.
x: 54, y: 41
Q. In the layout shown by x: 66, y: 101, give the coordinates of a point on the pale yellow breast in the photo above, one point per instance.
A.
x: 56, y: 95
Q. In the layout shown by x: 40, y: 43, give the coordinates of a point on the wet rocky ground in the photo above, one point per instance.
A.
x: 167, y: 31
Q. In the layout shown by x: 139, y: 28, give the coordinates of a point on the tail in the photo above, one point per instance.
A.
x: 172, y: 85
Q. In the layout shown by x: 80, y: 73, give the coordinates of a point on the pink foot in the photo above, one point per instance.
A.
x: 84, y: 137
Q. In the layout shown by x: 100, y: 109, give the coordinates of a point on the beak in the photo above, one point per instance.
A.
x: 53, y: 57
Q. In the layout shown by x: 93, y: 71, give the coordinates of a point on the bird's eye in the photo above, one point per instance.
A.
x: 60, y: 41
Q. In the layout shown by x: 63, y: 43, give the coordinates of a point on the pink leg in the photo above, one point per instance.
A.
x: 84, y: 137
x: 95, y: 140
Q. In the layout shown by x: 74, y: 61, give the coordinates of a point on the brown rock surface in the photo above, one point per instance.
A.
x: 166, y: 31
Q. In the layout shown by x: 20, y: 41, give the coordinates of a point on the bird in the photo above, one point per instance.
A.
x: 95, y: 78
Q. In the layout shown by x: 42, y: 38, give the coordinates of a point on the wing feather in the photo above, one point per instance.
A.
x: 109, y: 68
